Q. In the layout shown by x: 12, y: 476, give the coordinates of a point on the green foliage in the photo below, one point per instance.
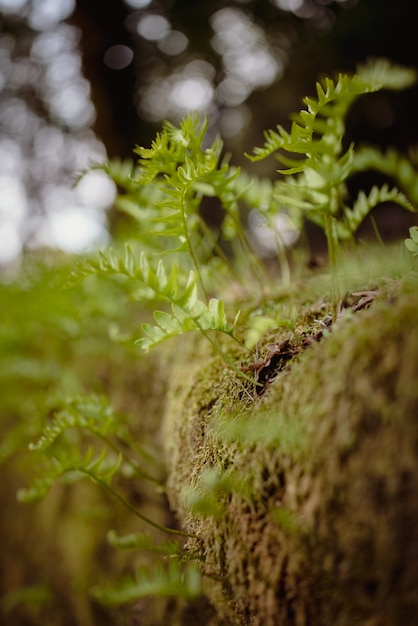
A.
x: 92, y: 413
x: 188, y: 312
x: 315, y: 156
x: 399, y: 167
x: 190, y: 315
x: 34, y: 596
x: 177, y: 580
x: 143, y: 541
x: 177, y: 173
x: 317, y: 131
x: 57, y: 344
x: 72, y: 465
x: 411, y: 242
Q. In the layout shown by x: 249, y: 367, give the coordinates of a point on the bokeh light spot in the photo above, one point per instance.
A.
x: 192, y: 93
x: 153, y: 27
x: 118, y: 57
x: 45, y: 14
x: 174, y: 43
x: 138, y: 4
x: 73, y: 230
x: 12, y: 6
x: 10, y: 243
x: 96, y: 190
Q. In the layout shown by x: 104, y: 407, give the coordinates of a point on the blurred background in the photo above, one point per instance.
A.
x: 83, y: 80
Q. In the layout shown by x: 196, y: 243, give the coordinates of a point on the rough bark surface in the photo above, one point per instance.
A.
x: 319, y: 523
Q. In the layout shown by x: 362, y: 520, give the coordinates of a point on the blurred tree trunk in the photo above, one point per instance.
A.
x: 102, y: 25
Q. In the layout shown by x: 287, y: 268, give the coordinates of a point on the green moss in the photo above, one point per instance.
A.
x: 315, y: 481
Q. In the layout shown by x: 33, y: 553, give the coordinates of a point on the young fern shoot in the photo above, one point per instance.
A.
x: 184, y: 173
x: 317, y: 164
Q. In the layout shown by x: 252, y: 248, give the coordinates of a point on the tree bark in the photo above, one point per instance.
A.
x: 313, y: 517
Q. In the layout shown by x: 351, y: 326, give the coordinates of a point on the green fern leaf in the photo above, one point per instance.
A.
x: 71, y: 466
x: 365, y: 203
x: 174, y: 580
x: 143, y: 541
x: 187, y: 314
x: 333, y: 101
x: 93, y: 413
x: 411, y: 243
x: 39, y: 489
x: 169, y: 324
x: 381, y: 73
x: 400, y: 168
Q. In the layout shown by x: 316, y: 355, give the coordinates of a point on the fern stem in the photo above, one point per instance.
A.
x: 140, y: 472
x: 131, y: 508
x: 283, y: 262
x: 226, y: 358
x: 332, y: 243
x: 252, y: 260
x: 377, y: 233
x: 192, y: 253
x: 207, y: 232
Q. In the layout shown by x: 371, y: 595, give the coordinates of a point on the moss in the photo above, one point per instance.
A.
x: 316, y: 516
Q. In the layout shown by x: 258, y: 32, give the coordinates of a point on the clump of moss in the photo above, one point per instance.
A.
x: 304, y: 499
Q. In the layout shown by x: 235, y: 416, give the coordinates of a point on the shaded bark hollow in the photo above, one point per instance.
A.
x: 318, y: 521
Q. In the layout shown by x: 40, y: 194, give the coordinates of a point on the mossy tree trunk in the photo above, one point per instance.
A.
x: 313, y: 517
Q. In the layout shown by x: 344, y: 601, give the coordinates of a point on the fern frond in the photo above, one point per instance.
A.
x: 71, y: 465
x: 175, y: 579
x: 333, y: 100
x: 143, y: 541
x: 255, y: 192
x: 399, y: 167
x: 171, y: 148
x: 383, y: 74
x: 191, y: 314
x: 188, y: 312
x: 92, y: 413
x: 154, y: 283
x: 362, y: 206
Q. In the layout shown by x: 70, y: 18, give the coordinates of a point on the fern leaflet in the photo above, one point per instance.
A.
x: 181, y: 581
x: 71, y: 465
x: 143, y: 541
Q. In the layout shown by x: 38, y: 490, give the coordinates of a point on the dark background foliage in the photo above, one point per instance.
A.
x: 315, y: 38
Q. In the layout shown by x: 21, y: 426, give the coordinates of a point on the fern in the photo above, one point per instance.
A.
x: 175, y: 579
x: 71, y: 465
x: 318, y: 163
x: 324, y: 116
x: 151, y: 283
x: 400, y: 168
x: 365, y: 203
x: 184, y: 172
x: 169, y: 263
x: 164, y: 196
x: 317, y: 134
x: 191, y: 314
x: 171, y: 147
x: 93, y: 414
x: 143, y: 541
x: 188, y: 312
